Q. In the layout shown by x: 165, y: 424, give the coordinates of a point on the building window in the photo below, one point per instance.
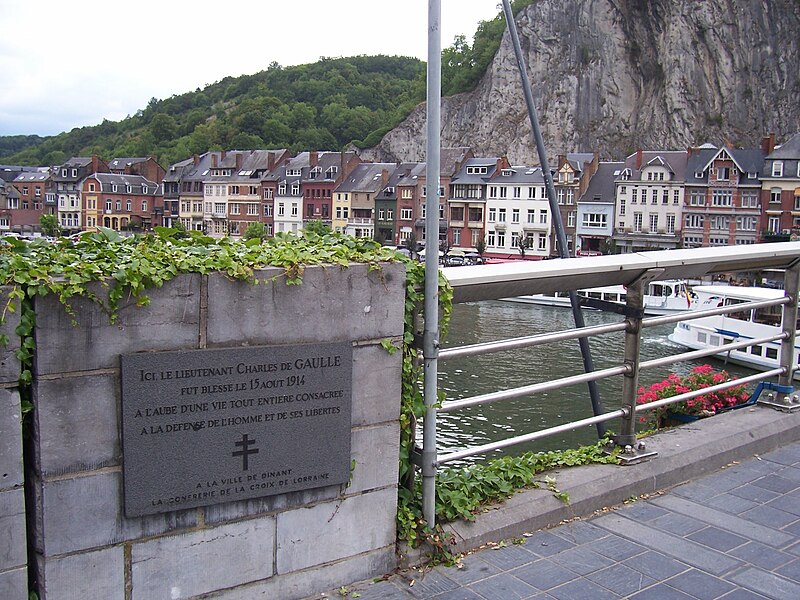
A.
x: 750, y: 199
x: 721, y: 197
x: 571, y: 218
x: 670, y: 224
x: 622, y: 207
x: 723, y: 173
x: 476, y: 215
x: 295, y: 209
x: 490, y: 239
x: 281, y: 209
x: 406, y: 214
x: 543, y: 217
x: 634, y: 195
x: 128, y: 205
x: 774, y: 224
x: 235, y: 208
x: 676, y: 197
x: 456, y: 237
x: 694, y: 221
x: 517, y: 192
x: 654, y: 223
x: 531, y: 217
x: 637, y: 221
x: 501, y: 239
x: 775, y: 195
x: 491, y: 218
x: 457, y: 213
x: 501, y: 215
x: 144, y: 205
x: 719, y: 222
x: 542, y: 245
x: 594, y: 220
x: 515, y: 215
x: 697, y: 198
x: 777, y: 168
x: 746, y: 223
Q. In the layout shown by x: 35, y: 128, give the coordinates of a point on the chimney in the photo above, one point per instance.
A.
x: 768, y: 143
x: 213, y: 160
x: 689, y: 152
x: 195, y: 159
x: 638, y: 159
x: 562, y: 160
x: 238, y: 158
x: 270, y: 161
x: 384, y: 176
x: 313, y: 158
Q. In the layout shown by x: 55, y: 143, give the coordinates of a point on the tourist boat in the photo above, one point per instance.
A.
x: 660, y: 298
x: 719, y: 330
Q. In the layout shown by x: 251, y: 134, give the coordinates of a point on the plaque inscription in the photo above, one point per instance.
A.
x: 209, y: 426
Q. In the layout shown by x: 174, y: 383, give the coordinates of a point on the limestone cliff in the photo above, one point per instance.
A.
x: 615, y: 75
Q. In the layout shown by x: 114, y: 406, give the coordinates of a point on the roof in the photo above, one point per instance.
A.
x: 464, y: 177
x: 32, y: 176
x: 601, y: 186
x: 518, y: 175
x: 674, y: 160
x: 789, y: 149
x: 366, y: 177
x: 747, y: 160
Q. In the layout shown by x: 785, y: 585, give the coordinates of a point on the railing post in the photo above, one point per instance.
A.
x: 632, y: 452
x: 791, y: 286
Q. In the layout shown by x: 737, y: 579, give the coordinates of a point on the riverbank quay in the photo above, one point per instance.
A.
x: 716, y: 514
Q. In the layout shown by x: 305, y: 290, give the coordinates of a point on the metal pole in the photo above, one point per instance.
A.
x: 791, y: 286
x: 630, y: 382
x: 430, y: 343
x: 558, y: 224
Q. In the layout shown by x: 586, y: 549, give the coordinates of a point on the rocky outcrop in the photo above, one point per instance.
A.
x: 617, y: 75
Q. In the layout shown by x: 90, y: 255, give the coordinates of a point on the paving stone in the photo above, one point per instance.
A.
x: 678, y: 524
x: 700, y: 585
x: 656, y: 565
x: 761, y: 555
x: 696, y: 491
x: 470, y: 569
x: 580, y: 532
x: 545, y: 543
x: 790, y: 570
x: 787, y: 504
x: 642, y: 511
x: 792, y: 473
x: 768, y: 584
x: 504, y: 586
x: 742, y: 527
x: 428, y: 584
x: 754, y: 493
x: 687, y: 551
x: 769, y: 517
x: 716, y: 538
x: 382, y: 590
x: 740, y: 594
x: 582, y: 589
x: 775, y: 483
x: 460, y: 594
x: 730, y: 504
x: 661, y: 592
x: 509, y: 557
x: 621, y: 580
x: 581, y: 560
x: 617, y: 548
x: 786, y: 455
x: 544, y: 574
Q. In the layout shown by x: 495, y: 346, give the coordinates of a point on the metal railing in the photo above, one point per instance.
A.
x: 635, y: 271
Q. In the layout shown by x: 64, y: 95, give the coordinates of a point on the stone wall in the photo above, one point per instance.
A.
x: 13, y: 551
x: 281, y: 546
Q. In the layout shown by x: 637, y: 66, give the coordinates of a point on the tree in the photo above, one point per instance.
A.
x: 411, y: 244
x: 523, y: 243
x: 255, y: 230
x: 317, y: 227
x: 49, y: 225
x: 480, y: 246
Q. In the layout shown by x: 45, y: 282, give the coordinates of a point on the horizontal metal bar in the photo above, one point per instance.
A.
x: 530, y: 437
x: 690, y: 315
x: 714, y: 388
x: 527, y: 341
x: 535, y: 388
x: 684, y: 356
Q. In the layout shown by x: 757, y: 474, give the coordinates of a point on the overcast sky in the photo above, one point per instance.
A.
x: 68, y: 64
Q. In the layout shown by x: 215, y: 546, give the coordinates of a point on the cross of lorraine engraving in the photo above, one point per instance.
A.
x: 245, y: 451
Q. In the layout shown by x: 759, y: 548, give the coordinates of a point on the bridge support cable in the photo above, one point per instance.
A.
x: 430, y: 351
x: 558, y: 223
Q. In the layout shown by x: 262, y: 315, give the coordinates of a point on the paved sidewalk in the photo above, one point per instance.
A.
x: 734, y: 534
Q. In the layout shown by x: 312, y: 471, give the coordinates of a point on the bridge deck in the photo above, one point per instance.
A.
x: 731, y: 531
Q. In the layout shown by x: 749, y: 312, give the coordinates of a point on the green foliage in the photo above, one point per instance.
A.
x: 324, y: 105
x: 316, y: 227
x: 255, y: 231
x: 49, y: 225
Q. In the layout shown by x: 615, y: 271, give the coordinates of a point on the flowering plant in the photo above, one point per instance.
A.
x: 706, y: 405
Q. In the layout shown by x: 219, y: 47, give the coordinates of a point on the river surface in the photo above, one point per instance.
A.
x: 492, y: 320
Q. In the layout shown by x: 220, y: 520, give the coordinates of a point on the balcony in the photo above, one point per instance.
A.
x: 499, y: 225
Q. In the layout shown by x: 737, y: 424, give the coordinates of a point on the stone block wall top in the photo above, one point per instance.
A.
x: 331, y: 304
x: 170, y: 322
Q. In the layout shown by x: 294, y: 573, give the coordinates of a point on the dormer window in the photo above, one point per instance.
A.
x: 777, y: 168
x: 293, y: 172
x: 477, y: 170
x: 64, y: 172
x: 698, y: 174
x: 282, y: 189
x: 74, y: 172
x: 506, y: 173
x: 128, y: 189
x: 114, y: 187
x: 144, y: 189
x: 389, y: 190
x: 332, y: 171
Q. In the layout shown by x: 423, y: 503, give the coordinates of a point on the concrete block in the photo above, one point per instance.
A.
x: 89, y: 576
x: 311, y: 582
x: 332, y: 304
x: 76, y: 424
x: 9, y: 364
x: 80, y: 513
x: 169, y: 322
x: 13, y: 546
x: 10, y: 440
x: 376, y: 452
x: 231, y: 511
x: 327, y: 532
x: 376, y: 385
x: 14, y: 584
x: 203, y: 561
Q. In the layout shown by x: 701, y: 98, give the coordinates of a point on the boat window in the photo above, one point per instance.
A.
x: 595, y: 295
x: 757, y: 350
x: 769, y: 315
x: 611, y: 297
x: 743, y: 315
x: 713, y: 340
x: 702, y: 337
x: 772, y: 353
x: 656, y: 289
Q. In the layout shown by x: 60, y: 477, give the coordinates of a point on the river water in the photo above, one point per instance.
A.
x: 492, y: 320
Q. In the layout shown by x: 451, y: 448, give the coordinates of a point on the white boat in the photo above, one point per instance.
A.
x: 660, y: 298
x: 719, y: 330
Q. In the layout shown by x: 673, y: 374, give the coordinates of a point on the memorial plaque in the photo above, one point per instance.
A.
x: 208, y: 426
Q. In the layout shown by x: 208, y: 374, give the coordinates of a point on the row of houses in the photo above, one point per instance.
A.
x: 703, y: 196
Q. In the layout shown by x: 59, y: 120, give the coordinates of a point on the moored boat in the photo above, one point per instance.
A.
x: 660, y: 298
x: 719, y: 330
